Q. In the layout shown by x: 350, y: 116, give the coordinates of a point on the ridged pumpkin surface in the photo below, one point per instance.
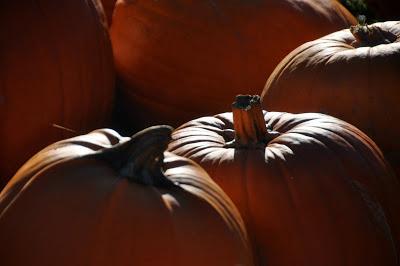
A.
x: 317, y: 193
x: 56, y: 68
x: 357, y: 84
x: 171, y: 54
x: 71, y: 204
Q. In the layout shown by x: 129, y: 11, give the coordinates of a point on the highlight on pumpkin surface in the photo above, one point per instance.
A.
x: 358, y: 85
x: 302, y: 169
x: 120, y: 196
x: 277, y: 184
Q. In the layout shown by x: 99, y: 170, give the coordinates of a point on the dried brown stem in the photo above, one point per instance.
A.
x: 368, y: 36
x: 141, y: 158
x: 249, y: 123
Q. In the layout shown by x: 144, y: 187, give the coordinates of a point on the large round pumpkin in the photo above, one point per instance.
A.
x: 171, y: 54
x: 102, y: 199
x: 357, y: 81
x: 56, y: 71
x: 312, y: 189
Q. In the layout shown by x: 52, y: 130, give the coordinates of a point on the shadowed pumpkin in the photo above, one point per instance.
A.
x: 169, y: 54
x: 103, y: 199
x: 351, y: 74
x: 56, y: 71
x: 313, y: 190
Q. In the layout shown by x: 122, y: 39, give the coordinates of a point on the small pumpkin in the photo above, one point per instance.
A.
x: 312, y: 189
x: 170, y: 54
x: 102, y: 199
x: 56, y: 71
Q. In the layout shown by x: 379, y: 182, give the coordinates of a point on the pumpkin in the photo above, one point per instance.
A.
x: 169, y: 54
x: 56, y: 72
x: 312, y: 189
x: 352, y: 77
x: 102, y: 199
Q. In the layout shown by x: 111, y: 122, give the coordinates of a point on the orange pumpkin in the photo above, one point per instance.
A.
x: 354, y: 80
x: 312, y: 189
x: 102, y: 199
x: 56, y: 69
x: 169, y: 54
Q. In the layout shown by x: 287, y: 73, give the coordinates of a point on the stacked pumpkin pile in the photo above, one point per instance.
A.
x: 245, y: 186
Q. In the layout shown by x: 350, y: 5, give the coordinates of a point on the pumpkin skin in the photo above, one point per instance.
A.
x: 320, y: 191
x: 169, y: 54
x: 54, y: 70
x: 358, y: 85
x: 79, y: 209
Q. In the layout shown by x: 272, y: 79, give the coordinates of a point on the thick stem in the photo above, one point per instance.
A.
x: 141, y: 158
x: 371, y: 36
x: 249, y: 123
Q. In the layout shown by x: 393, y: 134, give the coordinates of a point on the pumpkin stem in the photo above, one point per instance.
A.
x: 249, y: 124
x: 141, y: 158
x: 367, y: 36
